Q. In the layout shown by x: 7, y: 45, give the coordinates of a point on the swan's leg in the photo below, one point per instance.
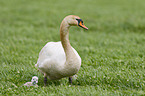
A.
x: 70, y: 79
x: 45, y: 79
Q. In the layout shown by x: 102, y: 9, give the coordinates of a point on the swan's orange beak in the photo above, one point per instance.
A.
x: 82, y: 25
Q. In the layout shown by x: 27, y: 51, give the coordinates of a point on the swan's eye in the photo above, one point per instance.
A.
x: 80, y: 21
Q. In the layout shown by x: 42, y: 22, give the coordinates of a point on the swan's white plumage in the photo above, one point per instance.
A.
x: 52, y: 59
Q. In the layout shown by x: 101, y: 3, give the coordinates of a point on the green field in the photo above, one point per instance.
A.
x: 112, y: 50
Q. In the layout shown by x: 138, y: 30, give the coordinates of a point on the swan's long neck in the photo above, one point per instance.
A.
x: 71, y: 58
x: 72, y: 63
x: 64, y: 36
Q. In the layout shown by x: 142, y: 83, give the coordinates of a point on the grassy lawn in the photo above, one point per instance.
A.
x: 112, y: 50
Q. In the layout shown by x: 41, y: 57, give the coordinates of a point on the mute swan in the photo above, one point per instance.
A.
x: 59, y: 59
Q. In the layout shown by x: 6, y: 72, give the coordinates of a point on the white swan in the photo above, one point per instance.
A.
x: 59, y: 59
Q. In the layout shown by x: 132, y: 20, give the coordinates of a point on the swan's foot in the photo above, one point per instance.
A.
x: 45, y: 80
x: 70, y: 79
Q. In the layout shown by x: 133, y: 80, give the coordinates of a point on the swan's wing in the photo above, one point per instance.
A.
x: 51, y: 53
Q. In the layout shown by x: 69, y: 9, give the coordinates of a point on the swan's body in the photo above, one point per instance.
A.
x: 59, y: 59
x: 52, y: 61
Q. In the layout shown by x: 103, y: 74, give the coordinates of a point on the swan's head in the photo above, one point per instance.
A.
x: 74, y: 20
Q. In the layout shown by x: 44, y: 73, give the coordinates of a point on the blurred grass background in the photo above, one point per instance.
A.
x: 112, y: 50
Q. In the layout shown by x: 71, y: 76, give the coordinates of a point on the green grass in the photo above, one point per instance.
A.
x: 112, y: 50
